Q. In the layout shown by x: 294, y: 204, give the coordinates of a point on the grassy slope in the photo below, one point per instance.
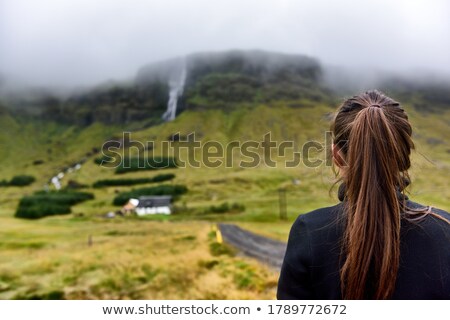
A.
x: 24, y: 140
x: 170, y: 259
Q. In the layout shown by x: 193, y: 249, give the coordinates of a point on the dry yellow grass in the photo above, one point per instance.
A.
x: 128, y: 259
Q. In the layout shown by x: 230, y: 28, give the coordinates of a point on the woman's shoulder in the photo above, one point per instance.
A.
x: 322, y: 215
x: 333, y: 218
x: 437, y: 213
x: 441, y: 212
x: 416, y: 205
x: 431, y: 229
x: 320, y: 219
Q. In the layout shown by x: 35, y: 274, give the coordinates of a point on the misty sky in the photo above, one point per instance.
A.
x: 81, y: 42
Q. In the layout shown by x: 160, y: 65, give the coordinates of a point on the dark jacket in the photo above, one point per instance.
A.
x: 312, y: 261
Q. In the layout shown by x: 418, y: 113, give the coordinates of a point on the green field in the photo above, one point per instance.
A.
x: 87, y: 256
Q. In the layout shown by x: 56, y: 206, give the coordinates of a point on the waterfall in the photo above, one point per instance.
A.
x: 176, y: 86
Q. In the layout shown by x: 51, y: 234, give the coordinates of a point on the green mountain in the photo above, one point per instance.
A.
x: 212, y: 80
x: 227, y: 79
x: 224, y: 96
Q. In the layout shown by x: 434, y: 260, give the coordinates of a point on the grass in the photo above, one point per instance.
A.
x: 171, y: 257
x: 128, y: 259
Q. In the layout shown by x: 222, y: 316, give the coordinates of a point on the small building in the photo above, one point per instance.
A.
x: 130, y: 207
x: 154, y: 205
x: 149, y: 205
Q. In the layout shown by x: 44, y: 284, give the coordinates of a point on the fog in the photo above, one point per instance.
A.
x: 70, y: 43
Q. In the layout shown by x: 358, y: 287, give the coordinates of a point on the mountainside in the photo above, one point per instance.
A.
x: 227, y: 79
x: 59, y: 146
x: 56, y: 132
x: 224, y: 80
x: 209, y: 80
x: 43, y: 148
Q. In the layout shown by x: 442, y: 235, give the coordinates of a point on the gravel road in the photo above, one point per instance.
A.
x: 266, y: 250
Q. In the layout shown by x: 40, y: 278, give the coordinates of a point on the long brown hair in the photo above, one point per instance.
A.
x: 373, y: 135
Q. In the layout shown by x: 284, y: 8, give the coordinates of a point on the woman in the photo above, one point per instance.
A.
x: 376, y: 243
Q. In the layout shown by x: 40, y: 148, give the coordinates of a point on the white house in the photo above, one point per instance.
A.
x: 149, y: 205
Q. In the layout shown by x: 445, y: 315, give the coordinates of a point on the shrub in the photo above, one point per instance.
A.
x: 73, y: 184
x: 222, y: 208
x: 59, y: 197
x: 136, y: 164
x: 42, y: 203
x: 217, y: 249
x: 152, y: 163
x: 52, y: 295
x: 173, y: 190
x: 163, y: 177
x: 208, y: 264
x: 38, y: 162
x: 247, y: 277
x: 225, y: 207
x: 129, y: 182
x: 120, y: 182
x: 21, y: 180
x: 237, y: 207
x: 98, y: 160
x: 107, y: 160
x: 41, y: 210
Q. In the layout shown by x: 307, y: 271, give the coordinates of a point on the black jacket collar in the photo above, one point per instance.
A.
x: 341, y: 193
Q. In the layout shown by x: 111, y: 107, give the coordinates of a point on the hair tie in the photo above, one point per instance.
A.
x: 375, y: 105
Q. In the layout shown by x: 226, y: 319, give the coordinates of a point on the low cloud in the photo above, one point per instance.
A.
x: 81, y: 42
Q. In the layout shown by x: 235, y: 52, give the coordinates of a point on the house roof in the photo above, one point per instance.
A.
x: 154, y: 201
x: 133, y: 202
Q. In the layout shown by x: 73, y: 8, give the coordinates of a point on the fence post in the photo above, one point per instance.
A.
x: 282, y: 203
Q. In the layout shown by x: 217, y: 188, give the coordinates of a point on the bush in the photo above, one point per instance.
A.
x: 99, y: 160
x: 52, y: 295
x: 40, y: 210
x: 136, y: 164
x: 163, y: 177
x: 73, y: 184
x: 42, y: 203
x: 237, y: 207
x: 38, y: 162
x: 21, y: 181
x: 152, y: 163
x: 60, y: 197
x: 120, y: 182
x: 222, y: 208
x: 217, y: 249
x: 108, y: 161
x: 129, y: 182
x: 225, y: 207
x: 172, y: 190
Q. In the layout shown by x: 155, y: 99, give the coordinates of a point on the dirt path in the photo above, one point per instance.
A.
x: 266, y: 250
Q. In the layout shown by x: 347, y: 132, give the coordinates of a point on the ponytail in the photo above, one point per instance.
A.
x: 374, y: 135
